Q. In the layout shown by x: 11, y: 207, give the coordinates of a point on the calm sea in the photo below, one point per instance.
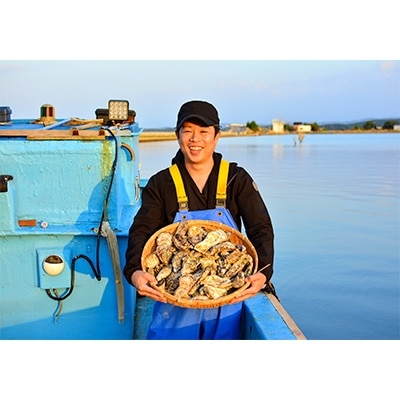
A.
x: 335, y: 204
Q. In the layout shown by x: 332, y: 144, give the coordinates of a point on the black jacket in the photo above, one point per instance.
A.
x: 159, y: 206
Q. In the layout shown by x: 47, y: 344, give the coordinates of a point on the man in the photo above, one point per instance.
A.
x: 198, y: 132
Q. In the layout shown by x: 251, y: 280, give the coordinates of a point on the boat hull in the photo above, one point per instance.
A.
x: 67, y: 200
x: 264, y: 318
x: 57, y: 189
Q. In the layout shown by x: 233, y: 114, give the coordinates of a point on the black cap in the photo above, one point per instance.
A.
x: 198, y: 110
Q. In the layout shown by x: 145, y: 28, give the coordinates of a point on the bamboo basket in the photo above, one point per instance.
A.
x: 235, y: 237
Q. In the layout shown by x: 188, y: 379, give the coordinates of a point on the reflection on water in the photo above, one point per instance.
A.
x: 335, y: 204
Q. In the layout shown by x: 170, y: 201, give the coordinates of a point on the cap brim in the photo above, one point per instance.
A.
x: 206, y: 121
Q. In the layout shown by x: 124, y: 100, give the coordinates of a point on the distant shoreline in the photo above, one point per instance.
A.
x: 156, y: 136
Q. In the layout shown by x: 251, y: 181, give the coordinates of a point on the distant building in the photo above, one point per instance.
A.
x: 278, y: 126
x: 300, y: 127
x: 237, y: 128
x: 396, y: 127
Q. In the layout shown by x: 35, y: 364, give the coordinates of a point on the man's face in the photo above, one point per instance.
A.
x: 197, y: 142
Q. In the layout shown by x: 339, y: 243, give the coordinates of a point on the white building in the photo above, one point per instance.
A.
x: 278, y: 126
x: 303, y: 128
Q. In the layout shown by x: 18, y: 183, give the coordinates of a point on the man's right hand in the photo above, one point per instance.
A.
x: 141, y: 280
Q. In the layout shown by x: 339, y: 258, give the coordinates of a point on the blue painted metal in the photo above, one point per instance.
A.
x: 263, y: 319
x: 52, y: 199
x: 53, y: 205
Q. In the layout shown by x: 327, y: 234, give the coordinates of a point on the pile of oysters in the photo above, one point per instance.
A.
x: 199, y: 261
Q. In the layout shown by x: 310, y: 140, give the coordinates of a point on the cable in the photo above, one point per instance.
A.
x: 113, y: 169
x: 55, y: 295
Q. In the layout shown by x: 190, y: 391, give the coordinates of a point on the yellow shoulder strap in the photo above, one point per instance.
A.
x: 222, y: 182
x: 221, y: 185
x: 180, y: 189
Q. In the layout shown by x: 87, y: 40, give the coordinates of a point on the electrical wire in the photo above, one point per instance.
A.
x: 103, y: 215
x: 55, y: 295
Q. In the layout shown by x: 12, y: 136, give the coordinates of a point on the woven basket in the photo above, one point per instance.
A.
x: 235, y: 237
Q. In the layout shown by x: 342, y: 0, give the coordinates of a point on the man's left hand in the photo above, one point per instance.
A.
x: 257, y: 281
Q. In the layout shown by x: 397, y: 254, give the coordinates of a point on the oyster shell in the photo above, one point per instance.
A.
x: 176, y: 261
x: 213, y: 292
x: 223, y: 249
x: 213, y: 238
x: 217, y: 281
x: 190, y: 263
x: 164, y: 247
x: 165, y: 271
x: 199, y: 277
x: 152, y: 262
x: 186, y: 282
x: 196, y: 234
x: 243, y: 261
x: 172, y: 282
x: 232, y: 257
x: 180, y: 238
x: 239, y: 280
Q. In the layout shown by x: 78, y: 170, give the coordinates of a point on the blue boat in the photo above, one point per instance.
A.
x: 69, y: 190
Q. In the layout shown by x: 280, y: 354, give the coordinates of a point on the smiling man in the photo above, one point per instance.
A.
x: 199, y: 167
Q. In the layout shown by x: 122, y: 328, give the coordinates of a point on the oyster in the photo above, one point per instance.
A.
x: 223, y: 249
x: 232, y: 257
x: 208, y: 262
x: 239, y: 280
x: 180, y: 238
x: 199, y: 277
x: 152, y: 262
x: 176, y: 261
x: 227, y: 262
x: 190, y: 263
x: 172, y: 282
x: 165, y: 271
x: 213, y: 292
x: 185, y: 284
x: 213, y: 238
x: 243, y: 261
x: 164, y: 247
x: 217, y: 281
x: 248, y: 270
x: 196, y: 234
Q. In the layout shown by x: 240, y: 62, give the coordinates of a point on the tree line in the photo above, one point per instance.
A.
x: 368, y: 125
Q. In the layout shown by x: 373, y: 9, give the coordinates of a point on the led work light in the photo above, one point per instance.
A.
x: 118, y: 110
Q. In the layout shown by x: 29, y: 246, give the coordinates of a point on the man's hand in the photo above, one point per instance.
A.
x: 257, y: 281
x: 141, y: 280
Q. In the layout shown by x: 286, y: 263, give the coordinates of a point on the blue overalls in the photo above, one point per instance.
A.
x: 220, y: 323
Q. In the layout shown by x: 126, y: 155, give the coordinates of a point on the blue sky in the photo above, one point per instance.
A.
x: 260, y: 90
x: 296, y: 61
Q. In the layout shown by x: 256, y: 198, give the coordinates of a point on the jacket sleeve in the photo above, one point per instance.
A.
x: 152, y: 215
x: 248, y: 204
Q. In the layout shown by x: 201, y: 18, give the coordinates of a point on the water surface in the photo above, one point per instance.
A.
x: 335, y: 204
